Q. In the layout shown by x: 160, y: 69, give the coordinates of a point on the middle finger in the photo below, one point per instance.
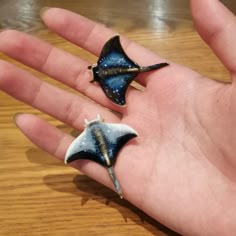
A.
x: 57, y: 64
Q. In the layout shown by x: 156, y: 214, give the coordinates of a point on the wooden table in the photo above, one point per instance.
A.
x: 41, y: 196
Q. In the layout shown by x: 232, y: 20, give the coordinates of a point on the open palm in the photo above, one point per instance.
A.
x: 181, y: 169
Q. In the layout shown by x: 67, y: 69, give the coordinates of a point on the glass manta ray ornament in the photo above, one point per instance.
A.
x: 101, y: 142
x: 115, y: 71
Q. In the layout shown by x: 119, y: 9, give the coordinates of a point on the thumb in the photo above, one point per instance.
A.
x: 217, y: 26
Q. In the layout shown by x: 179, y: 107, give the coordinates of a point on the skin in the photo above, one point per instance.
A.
x: 183, y: 162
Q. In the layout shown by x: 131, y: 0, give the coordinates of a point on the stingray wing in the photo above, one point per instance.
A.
x: 113, y: 55
x: 83, y: 147
x: 86, y: 146
x: 117, y: 136
x: 115, y: 87
x: 114, y: 59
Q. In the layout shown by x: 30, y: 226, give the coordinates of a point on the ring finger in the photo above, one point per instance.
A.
x: 62, y: 105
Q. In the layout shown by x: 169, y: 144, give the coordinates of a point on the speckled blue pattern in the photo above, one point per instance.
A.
x: 115, y: 71
x: 115, y: 87
x: 114, y: 60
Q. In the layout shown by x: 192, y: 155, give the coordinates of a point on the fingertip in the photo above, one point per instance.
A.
x: 4, y: 35
x: 53, y: 13
x: 16, y: 117
x: 43, y: 11
x: 54, y: 18
x: 9, y: 33
x: 48, y: 13
x: 12, y: 41
x: 21, y: 119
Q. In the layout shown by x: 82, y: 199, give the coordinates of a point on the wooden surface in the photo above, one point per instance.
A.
x: 41, y: 196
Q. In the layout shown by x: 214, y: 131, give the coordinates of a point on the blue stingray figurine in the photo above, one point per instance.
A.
x: 115, y: 71
x: 101, y: 142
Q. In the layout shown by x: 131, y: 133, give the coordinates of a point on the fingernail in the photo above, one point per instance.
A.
x: 43, y: 10
x: 16, y: 116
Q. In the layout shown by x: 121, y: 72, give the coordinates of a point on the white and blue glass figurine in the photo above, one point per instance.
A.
x: 101, y: 142
x: 115, y: 71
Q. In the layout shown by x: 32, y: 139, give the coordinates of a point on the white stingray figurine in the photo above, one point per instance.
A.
x: 101, y: 142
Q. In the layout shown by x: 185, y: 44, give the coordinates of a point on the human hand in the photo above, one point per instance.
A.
x: 181, y: 168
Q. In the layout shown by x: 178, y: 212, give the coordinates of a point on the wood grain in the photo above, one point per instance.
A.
x: 39, y: 195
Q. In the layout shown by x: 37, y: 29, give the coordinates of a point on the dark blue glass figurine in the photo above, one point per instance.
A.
x: 115, y: 71
x: 101, y: 142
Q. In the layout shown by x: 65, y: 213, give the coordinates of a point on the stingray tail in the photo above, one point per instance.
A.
x: 115, y: 181
x: 153, y: 67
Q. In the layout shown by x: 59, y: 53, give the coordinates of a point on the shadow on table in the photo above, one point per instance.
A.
x: 89, y: 189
